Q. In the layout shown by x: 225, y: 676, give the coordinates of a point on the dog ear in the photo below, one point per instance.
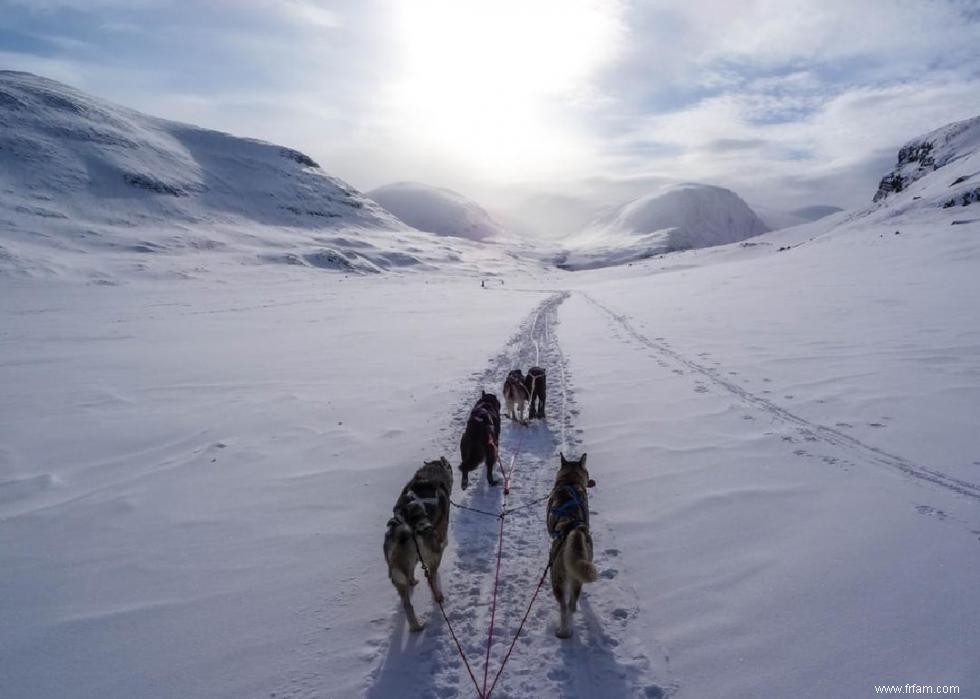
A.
x: 581, y: 462
x: 562, y: 455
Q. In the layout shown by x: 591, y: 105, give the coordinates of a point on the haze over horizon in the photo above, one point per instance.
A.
x: 787, y: 103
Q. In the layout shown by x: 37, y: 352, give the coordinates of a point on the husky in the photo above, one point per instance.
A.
x: 419, y: 523
x: 571, y: 547
x: 536, y: 383
x: 480, y: 439
x: 516, y: 395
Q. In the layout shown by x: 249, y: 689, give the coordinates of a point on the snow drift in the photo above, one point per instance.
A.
x: 678, y: 217
x: 436, y: 210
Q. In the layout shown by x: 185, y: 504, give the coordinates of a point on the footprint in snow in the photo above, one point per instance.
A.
x: 931, y: 511
x: 557, y: 674
x: 609, y: 573
x: 620, y: 613
x: 875, y: 424
x: 611, y: 552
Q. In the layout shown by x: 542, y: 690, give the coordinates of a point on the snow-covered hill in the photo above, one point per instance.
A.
x: 677, y: 217
x: 437, y: 210
x: 93, y: 189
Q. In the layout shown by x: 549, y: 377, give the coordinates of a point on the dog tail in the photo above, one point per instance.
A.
x: 578, y: 563
x: 403, y: 531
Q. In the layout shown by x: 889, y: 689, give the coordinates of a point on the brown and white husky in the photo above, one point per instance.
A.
x: 516, y: 395
x: 571, y: 547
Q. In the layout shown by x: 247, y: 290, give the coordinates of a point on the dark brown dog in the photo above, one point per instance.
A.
x: 480, y: 439
x: 536, y: 383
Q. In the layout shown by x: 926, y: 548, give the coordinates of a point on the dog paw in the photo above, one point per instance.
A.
x: 563, y: 633
x: 415, y: 628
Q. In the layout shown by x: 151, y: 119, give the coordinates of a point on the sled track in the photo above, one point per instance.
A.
x: 821, y: 432
x: 603, y: 658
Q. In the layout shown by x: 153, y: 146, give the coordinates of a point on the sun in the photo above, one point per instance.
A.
x: 499, y: 86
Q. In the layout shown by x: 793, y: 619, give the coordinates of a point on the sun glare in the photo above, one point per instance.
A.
x: 489, y: 84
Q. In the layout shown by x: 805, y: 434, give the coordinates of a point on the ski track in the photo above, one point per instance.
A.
x: 809, y: 431
x: 604, y: 658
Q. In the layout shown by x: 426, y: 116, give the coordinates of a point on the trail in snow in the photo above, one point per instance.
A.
x: 810, y: 431
x: 604, y: 658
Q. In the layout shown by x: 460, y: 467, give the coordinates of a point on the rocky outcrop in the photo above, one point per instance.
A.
x: 927, y: 154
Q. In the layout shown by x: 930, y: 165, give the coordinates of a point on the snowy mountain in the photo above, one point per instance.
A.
x: 94, y: 189
x: 436, y: 210
x: 677, y: 217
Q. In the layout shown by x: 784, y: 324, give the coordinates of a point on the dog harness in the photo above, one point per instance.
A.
x: 571, y: 514
x: 415, y: 510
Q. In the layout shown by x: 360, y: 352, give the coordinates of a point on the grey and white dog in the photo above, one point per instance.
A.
x: 516, y: 395
x: 419, y: 524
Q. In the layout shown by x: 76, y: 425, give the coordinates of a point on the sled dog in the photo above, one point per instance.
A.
x: 419, y: 523
x: 537, y: 384
x: 571, y: 542
x: 516, y: 395
x: 480, y: 439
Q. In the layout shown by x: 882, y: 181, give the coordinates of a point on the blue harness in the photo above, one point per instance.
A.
x: 580, y: 518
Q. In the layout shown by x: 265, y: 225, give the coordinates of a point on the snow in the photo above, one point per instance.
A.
x: 196, y: 467
x: 437, y: 210
x: 677, y: 217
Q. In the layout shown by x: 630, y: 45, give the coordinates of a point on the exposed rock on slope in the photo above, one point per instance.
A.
x: 926, y: 154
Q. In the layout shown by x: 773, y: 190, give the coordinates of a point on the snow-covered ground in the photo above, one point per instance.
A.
x: 197, y: 460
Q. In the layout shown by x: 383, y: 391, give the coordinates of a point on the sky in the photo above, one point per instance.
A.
x: 539, y: 108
